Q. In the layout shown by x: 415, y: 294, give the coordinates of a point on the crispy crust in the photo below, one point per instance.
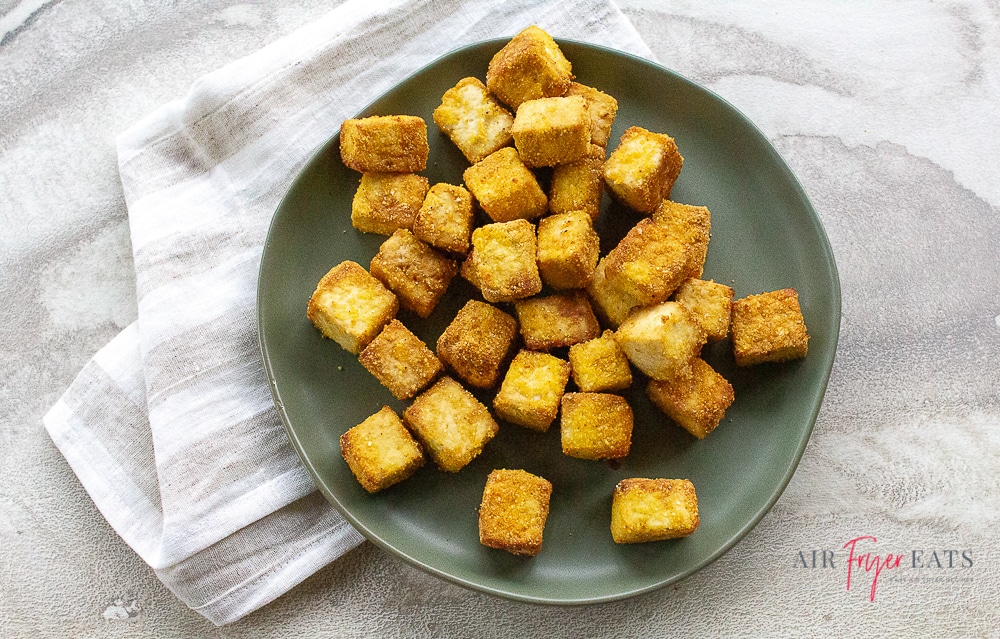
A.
x: 532, y: 389
x: 649, y: 263
x: 600, y: 365
x: 503, y: 261
x: 769, y: 328
x: 384, y: 144
x: 414, y: 271
x: 556, y: 320
x: 568, y: 248
x: 385, y: 202
x: 528, y: 67
x: 380, y: 451
x: 350, y: 306
x: 611, y: 303
x: 710, y: 304
x: 653, y: 509
x: 578, y: 186
x: 642, y: 170
x: 595, y: 426
x: 696, y: 399
x: 602, y: 109
x: 473, y: 119
x: 477, y: 342
x: 661, y: 340
x: 505, y: 188
x: 445, y: 219
x: 513, y: 511
x: 451, y: 423
x: 400, y: 361
x: 551, y: 131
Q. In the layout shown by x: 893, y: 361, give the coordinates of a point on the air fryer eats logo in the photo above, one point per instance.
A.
x: 863, y: 564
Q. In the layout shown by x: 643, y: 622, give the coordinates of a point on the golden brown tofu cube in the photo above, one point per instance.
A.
x: 477, y: 342
x: 611, y: 303
x: 600, y: 365
x: 649, y: 263
x: 385, y: 202
x: 551, y: 131
x: 414, y: 271
x: 505, y: 188
x: 769, y: 328
x: 451, y: 423
x: 661, y: 340
x: 709, y: 303
x: 568, y: 248
x: 696, y: 399
x: 578, y: 186
x: 445, y: 219
x: 380, y: 451
x: 513, y: 511
x: 529, y: 67
x: 532, y: 389
x: 557, y: 320
x: 602, y: 109
x: 653, y: 509
x: 473, y: 119
x: 350, y: 306
x: 384, y: 144
x: 692, y: 226
x: 642, y: 170
x: 595, y: 426
x: 503, y: 261
x: 400, y: 360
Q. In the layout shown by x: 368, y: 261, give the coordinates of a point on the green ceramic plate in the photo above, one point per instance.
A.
x: 765, y: 235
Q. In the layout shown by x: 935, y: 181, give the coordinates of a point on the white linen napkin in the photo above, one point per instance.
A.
x: 170, y: 427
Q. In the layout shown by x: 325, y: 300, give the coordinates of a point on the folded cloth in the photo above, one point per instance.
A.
x: 171, y: 427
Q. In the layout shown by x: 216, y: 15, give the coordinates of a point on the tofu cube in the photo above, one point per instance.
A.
x: 414, y: 271
x: 350, y: 306
x: 532, y: 389
x: 650, y: 262
x: 595, y: 426
x: 513, y: 511
x: 602, y: 109
x: 529, y: 67
x: 476, y: 343
x: 578, y: 186
x: 384, y: 144
x: 600, y: 365
x: 385, y: 202
x: 696, y: 399
x: 451, y: 423
x: 692, y: 226
x: 445, y: 219
x: 380, y: 451
x: 642, y: 170
x: 557, y: 320
x: 505, y: 188
x: 503, y: 261
x: 769, y: 328
x: 400, y: 361
x: 611, y: 303
x: 709, y: 303
x: 568, y: 248
x: 473, y: 119
x: 551, y: 131
x: 653, y: 509
x: 661, y: 340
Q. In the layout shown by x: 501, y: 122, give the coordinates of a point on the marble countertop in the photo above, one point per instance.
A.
x: 888, y: 114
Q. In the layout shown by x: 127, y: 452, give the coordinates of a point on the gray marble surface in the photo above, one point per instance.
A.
x: 887, y: 112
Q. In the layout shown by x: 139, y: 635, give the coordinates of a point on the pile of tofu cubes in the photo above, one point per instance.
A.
x: 642, y: 305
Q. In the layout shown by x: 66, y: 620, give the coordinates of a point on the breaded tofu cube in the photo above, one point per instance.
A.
x: 385, y: 202
x: 653, y: 509
x: 769, y: 328
x: 692, y: 225
x: 384, y: 144
x: 414, y: 271
x: 568, y: 248
x: 451, y: 423
x: 551, y: 131
x: 513, y: 511
x: 595, y: 426
x: 611, y: 303
x: 532, y: 389
x: 445, y: 219
x: 602, y: 109
x: 477, y: 342
x: 696, y: 399
x: 642, y: 170
x: 578, y: 186
x: 709, y: 303
x: 649, y: 263
x: 473, y: 119
x: 380, y: 451
x: 600, y: 365
x: 661, y: 340
x: 529, y: 67
x: 556, y: 320
x: 400, y: 361
x: 505, y: 188
x: 350, y: 306
x: 503, y: 261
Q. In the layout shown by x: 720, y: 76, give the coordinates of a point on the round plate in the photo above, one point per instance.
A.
x: 765, y: 236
